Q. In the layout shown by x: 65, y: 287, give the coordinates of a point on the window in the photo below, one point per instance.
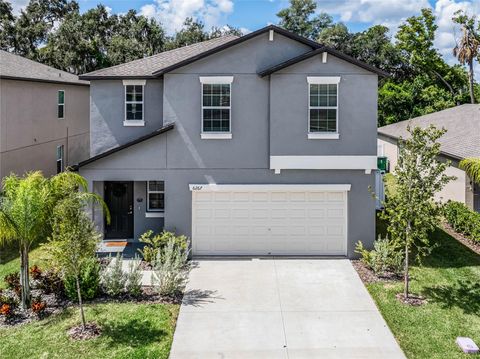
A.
x: 134, y: 108
x: 216, y: 107
x: 60, y: 167
x: 61, y: 104
x: 155, y: 196
x: 323, y: 106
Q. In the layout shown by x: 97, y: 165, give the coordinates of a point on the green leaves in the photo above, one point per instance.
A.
x: 472, y: 168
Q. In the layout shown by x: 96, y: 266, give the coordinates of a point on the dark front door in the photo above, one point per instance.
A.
x: 119, y: 199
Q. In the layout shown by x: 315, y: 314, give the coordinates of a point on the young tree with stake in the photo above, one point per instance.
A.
x: 412, y: 212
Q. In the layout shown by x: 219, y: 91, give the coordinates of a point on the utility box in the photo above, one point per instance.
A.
x: 382, y: 164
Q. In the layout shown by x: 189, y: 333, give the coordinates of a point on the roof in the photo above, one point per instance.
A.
x: 462, y: 139
x: 157, y: 132
x: 319, y: 51
x: 159, y: 64
x: 20, y: 68
x: 144, y: 68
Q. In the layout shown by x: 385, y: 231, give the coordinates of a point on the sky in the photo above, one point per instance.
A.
x: 250, y: 15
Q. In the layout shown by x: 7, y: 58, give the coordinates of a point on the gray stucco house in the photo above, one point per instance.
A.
x: 259, y: 145
x: 44, y: 117
x: 462, y: 140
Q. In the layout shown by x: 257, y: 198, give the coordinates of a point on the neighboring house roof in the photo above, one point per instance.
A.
x: 157, y: 132
x: 19, y: 68
x: 319, y: 51
x: 159, y: 64
x: 462, y: 123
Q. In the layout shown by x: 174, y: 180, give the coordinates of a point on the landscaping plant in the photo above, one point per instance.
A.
x: 133, y: 285
x: 74, y: 239
x: 113, y: 278
x: 412, y: 212
x: 154, y: 243
x: 384, y: 258
x: 89, y: 281
x: 472, y: 167
x: 463, y: 219
x: 170, y: 269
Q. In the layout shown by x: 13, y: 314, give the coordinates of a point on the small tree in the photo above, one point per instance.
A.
x: 412, y: 212
x: 74, y: 238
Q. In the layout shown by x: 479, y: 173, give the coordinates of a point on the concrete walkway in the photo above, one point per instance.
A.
x: 279, y: 308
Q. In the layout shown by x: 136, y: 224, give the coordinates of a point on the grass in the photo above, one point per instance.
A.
x: 129, y: 331
x: 450, y: 279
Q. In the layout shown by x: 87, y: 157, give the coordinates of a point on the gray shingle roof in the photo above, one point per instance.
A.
x: 18, y: 67
x: 147, y: 66
x: 462, y: 123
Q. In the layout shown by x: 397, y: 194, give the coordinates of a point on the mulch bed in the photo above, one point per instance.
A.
x: 368, y: 276
x: 91, y: 330
x: 474, y: 246
x: 412, y: 299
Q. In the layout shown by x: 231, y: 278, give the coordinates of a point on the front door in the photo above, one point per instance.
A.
x: 119, y: 199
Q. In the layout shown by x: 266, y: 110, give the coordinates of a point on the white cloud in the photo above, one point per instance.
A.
x: 172, y: 13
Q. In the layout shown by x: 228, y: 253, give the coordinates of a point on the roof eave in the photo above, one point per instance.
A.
x: 32, y: 79
x: 88, y: 77
x: 159, y: 131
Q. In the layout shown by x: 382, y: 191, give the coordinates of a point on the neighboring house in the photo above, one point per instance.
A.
x: 263, y: 144
x: 462, y: 140
x: 44, y: 117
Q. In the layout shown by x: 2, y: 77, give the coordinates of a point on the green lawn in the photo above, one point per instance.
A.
x: 450, y: 279
x: 129, y: 331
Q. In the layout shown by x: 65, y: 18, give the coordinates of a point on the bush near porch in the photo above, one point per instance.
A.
x: 449, y: 278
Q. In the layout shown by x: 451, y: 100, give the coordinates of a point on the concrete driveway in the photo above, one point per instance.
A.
x: 279, y: 308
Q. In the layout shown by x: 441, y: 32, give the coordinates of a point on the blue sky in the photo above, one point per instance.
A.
x: 250, y: 15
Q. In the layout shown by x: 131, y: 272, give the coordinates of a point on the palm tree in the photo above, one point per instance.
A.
x: 472, y: 167
x: 468, y: 48
x: 26, y: 207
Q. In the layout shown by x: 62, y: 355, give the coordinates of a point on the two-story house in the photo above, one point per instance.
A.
x: 44, y: 117
x: 254, y: 145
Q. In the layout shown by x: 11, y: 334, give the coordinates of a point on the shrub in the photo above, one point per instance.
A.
x: 171, y: 269
x: 7, y: 299
x: 50, y: 282
x: 6, y: 310
x: 385, y: 257
x: 462, y: 219
x: 113, y: 278
x: 35, y: 272
x: 89, y: 281
x: 39, y: 306
x: 154, y: 243
x: 390, y: 185
x: 12, y: 281
x: 133, y: 284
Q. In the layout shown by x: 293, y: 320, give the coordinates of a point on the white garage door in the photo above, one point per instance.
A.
x: 269, y: 219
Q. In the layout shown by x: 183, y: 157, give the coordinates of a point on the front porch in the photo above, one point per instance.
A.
x: 109, y: 248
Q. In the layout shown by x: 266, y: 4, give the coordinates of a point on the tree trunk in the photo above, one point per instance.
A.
x: 24, y: 278
x: 470, y: 80
x: 445, y: 82
x: 406, y: 278
x: 79, y: 294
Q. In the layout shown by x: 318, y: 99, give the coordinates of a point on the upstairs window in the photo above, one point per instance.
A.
x: 155, y: 196
x: 134, y: 104
x: 60, y: 166
x: 216, y: 107
x: 61, y: 104
x: 323, y: 106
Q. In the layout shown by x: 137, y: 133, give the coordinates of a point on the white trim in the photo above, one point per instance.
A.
x: 61, y: 104
x: 216, y: 136
x: 323, y: 136
x: 324, y: 57
x: 322, y: 80
x: 133, y: 123
x: 216, y: 80
x: 323, y: 162
x: 134, y: 82
x: 154, y: 214
x: 269, y: 187
x: 270, y: 35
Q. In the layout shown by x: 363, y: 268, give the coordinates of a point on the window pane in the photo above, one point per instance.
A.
x: 60, y: 111
x: 156, y: 201
x: 323, y: 120
x: 134, y: 111
x: 155, y: 185
x: 332, y: 90
x: 313, y: 89
x: 61, y: 97
x: 322, y: 100
x: 134, y: 93
x: 332, y: 100
x: 323, y: 89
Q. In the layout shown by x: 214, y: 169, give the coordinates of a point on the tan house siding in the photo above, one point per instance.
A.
x: 30, y: 129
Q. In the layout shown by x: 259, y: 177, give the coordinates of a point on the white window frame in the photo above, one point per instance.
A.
x: 322, y: 80
x: 216, y: 80
x: 61, y: 159
x: 61, y: 104
x: 134, y: 123
x: 148, y: 197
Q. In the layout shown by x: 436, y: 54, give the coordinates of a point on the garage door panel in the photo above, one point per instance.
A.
x: 269, y: 222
